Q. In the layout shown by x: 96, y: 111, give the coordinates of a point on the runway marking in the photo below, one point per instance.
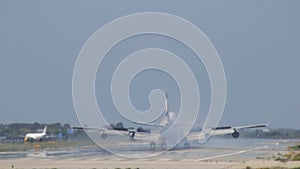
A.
x: 164, y: 159
x: 186, y: 160
x: 141, y: 159
x: 118, y: 159
x: 230, y: 154
x: 100, y: 159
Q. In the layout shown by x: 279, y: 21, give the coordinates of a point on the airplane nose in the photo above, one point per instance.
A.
x: 26, y: 139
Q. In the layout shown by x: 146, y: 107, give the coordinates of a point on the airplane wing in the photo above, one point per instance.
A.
x: 223, y: 131
x: 231, y: 130
x: 252, y: 126
x: 134, y: 134
x: 148, y: 124
x: 88, y: 128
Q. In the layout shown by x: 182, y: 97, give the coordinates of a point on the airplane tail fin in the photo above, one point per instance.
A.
x: 166, y: 117
x: 166, y: 102
x: 45, y: 130
x: 167, y: 108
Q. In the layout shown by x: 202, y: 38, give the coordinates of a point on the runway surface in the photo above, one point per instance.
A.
x: 218, y: 152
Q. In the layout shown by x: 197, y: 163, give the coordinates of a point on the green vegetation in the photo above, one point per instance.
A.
x: 127, y: 168
x: 14, y: 147
x: 6, y: 147
x: 295, y: 147
x: 292, y: 155
x: 248, y: 167
x: 59, y: 136
x: 272, y: 134
x: 15, y: 132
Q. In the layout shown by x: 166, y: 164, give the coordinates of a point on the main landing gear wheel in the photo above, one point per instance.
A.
x: 236, y: 134
x: 186, y: 145
x: 152, y: 145
x: 163, y: 146
x: 131, y: 135
x: 103, y: 136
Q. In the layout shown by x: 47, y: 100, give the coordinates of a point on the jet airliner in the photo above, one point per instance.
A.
x: 168, y: 120
x: 35, y: 136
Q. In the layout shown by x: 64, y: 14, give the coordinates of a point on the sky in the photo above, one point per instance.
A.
x: 257, y: 41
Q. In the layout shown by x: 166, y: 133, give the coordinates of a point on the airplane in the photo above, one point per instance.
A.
x: 35, y: 136
x: 168, y: 119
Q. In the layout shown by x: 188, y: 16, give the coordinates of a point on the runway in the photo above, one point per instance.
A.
x: 217, y: 153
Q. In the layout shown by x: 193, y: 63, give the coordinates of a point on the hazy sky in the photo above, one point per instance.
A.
x: 258, y: 42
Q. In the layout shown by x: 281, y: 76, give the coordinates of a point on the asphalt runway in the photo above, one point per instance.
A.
x: 217, y: 153
x: 216, y: 148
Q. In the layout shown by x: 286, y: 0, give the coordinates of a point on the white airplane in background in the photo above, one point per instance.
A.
x: 168, y: 119
x: 35, y: 136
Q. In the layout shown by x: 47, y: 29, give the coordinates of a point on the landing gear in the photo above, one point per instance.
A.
x: 152, y: 145
x: 163, y: 145
x: 186, y: 145
x: 236, y: 134
x: 103, y: 135
x: 131, y: 135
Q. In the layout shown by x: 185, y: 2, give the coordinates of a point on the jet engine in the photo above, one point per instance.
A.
x: 131, y: 134
x: 103, y: 135
x: 235, y: 134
